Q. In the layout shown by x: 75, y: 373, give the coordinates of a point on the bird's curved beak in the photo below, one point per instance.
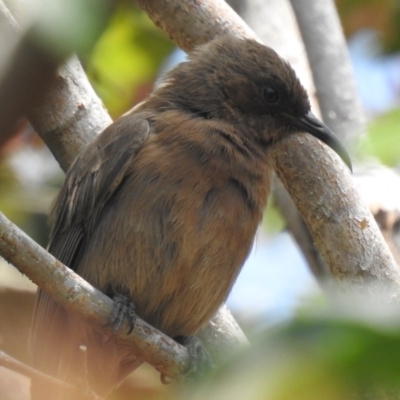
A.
x: 311, y: 124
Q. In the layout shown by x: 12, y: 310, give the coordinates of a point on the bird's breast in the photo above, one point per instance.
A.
x: 191, y: 217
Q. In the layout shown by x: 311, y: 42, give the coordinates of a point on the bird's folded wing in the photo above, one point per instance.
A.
x: 92, y: 180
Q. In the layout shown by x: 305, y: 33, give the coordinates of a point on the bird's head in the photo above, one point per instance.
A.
x: 247, y: 84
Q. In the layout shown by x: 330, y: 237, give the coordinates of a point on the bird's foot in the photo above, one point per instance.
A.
x: 123, y: 308
x: 200, y: 360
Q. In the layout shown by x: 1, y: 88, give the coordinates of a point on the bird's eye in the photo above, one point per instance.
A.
x: 270, y: 94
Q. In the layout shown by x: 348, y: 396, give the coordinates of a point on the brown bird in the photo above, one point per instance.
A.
x: 162, y: 207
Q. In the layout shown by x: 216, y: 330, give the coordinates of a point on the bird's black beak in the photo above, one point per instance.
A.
x: 311, y: 124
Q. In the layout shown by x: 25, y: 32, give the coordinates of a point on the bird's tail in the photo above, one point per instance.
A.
x: 71, y: 350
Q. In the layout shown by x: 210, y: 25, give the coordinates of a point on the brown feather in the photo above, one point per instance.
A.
x: 163, y: 206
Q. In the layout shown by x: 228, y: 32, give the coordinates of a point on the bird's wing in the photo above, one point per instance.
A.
x: 92, y: 180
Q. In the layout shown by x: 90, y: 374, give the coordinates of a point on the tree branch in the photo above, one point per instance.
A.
x: 70, y: 115
x: 17, y: 366
x: 341, y: 224
x: 190, y: 23
x: 331, y: 68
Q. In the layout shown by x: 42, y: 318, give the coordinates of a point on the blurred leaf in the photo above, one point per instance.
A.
x: 126, y: 59
x: 382, y: 15
x: 8, y: 187
x: 273, y: 221
x: 313, y: 359
x: 67, y: 26
x: 384, y: 136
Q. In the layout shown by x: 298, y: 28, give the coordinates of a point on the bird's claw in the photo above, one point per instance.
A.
x: 200, y: 360
x: 123, y: 307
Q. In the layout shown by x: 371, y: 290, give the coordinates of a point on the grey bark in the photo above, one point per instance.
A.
x: 331, y: 68
x: 70, y: 115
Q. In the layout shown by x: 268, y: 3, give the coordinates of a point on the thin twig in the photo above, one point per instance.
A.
x: 11, y: 363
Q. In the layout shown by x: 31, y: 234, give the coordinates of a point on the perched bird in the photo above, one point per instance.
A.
x: 162, y: 207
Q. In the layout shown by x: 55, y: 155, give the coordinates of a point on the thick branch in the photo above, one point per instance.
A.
x: 342, y: 226
x: 301, y: 234
x: 190, y: 23
x: 331, y: 68
x: 70, y: 115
